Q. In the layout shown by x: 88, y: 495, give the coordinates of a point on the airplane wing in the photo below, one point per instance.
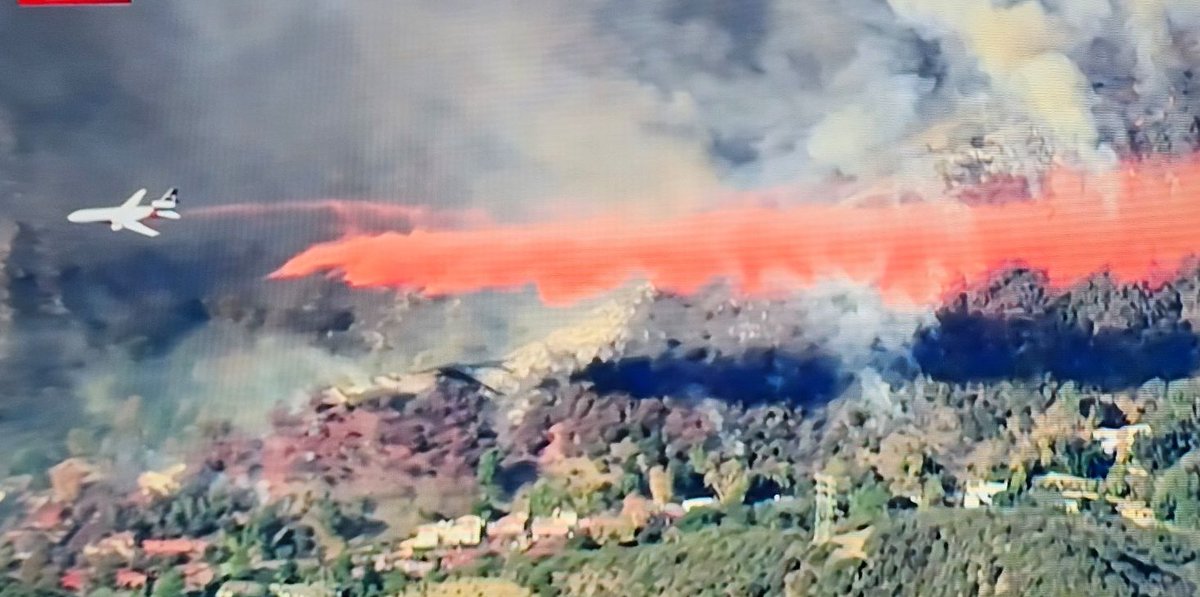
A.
x: 134, y: 200
x: 140, y: 228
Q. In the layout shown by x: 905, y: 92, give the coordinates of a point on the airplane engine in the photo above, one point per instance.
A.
x: 115, y: 226
x: 169, y: 200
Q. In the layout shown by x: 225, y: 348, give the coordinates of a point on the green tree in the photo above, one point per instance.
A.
x: 730, y: 480
x: 867, y: 502
x: 544, y: 498
x: 170, y: 584
x: 932, y: 492
x: 394, y: 582
x: 288, y: 572
x: 487, y: 475
x: 342, y: 568
x: 1177, y: 497
x: 107, y: 592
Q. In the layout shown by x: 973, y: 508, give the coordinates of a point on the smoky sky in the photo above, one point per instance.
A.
x: 516, y: 108
x: 102, y: 102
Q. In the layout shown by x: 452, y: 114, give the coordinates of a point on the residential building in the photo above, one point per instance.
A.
x: 241, y: 588
x: 509, y: 532
x: 1138, y: 512
x: 560, y: 524
x: 702, y: 502
x: 428, y: 536
x: 414, y: 568
x: 1119, y: 441
x: 672, y: 510
x: 1061, y: 482
x: 1070, y: 506
x: 1075, y: 494
x: 300, y: 590
x: 980, y: 493
x: 851, y: 545
x: 462, y: 531
x: 174, y: 547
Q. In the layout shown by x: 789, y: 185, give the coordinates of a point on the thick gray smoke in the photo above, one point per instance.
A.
x: 531, y: 110
x: 790, y: 90
x: 526, y: 109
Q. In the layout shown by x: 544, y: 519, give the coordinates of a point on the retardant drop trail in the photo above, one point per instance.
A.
x: 1140, y: 223
x: 349, y: 214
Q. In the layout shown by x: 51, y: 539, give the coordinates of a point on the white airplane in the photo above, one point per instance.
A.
x: 129, y: 215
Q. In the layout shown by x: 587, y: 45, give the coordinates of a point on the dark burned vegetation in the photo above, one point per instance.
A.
x: 1100, y: 333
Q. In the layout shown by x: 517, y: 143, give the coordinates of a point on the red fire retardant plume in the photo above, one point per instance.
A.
x: 1140, y: 223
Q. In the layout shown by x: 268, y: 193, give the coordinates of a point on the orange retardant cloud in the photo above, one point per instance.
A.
x: 1140, y: 223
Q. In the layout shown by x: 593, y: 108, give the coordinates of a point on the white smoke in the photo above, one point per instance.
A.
x: 852, y: 321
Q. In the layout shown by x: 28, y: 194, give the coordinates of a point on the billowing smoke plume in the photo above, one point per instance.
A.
x: 867, y: 87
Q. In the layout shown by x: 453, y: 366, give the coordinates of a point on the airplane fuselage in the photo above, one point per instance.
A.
x: 109, y: 214
x: 129, y: 215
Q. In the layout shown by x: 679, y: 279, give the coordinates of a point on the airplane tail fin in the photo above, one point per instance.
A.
x: 169, y: 200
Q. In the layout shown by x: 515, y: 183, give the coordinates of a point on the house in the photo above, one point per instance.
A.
x: 174, y: 547
x: 509, y: 530
x: 1119, y: 441
x: 427, y: 537
x: 1138, y: 512
x: 398, y: 560
x: 672, y: 510
x: 560, y: 524
x: 980, y: 493
x: 241, y: 588
x: 1070, y: 506
x: 414, y: 568
x: 1062, y: 482
x: 851, y: 545
x: 508, y: 526
x: 603, y: 528
x: 703, y: 502
x: 119, y: 546
x: 766, y: 502
x: 300, y: 590
x: 462, y: 531
x: 1075, y: 494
